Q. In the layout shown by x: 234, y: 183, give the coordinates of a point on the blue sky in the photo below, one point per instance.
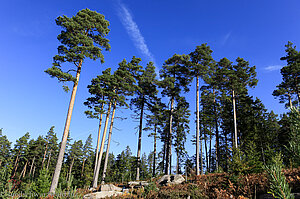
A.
x: 154, y: 30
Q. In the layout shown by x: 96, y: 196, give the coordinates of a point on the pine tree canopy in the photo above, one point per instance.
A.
x: 83, y: 36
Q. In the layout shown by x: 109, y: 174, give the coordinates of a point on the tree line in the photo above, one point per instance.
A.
x: 234, y: 131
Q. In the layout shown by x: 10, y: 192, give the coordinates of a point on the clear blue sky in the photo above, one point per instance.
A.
x: 154, y: 30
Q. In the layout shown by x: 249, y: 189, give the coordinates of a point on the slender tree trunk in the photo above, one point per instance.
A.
x: 169, y: 142
x: 95, y: 180
x: 234, y: 121
x: 98, y: 140
x: 197, y: 127
x: 65, y: 135
x: 34, y: 167
x: 140, y: 142
x: 30, y: 171
x: 210, y: 158
x: 16, y: 167
x: 227, y: 156
x: 16, y: 164
x: 206, y: 152
x: 23, y: 171
x: 201, y: 151
x: 217, y: 132
x: 82, y: 169
x: 70, y: 170
x: 49, y: 158
x: 177, y: 163
x: 44, y: 158
x: 164, y: 154
x: 154, y: 153
x: 290, y: 101
x: 170, y: 170
x: 108, y: 143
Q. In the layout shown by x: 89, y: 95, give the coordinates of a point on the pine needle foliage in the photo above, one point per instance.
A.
x: 279, y: 187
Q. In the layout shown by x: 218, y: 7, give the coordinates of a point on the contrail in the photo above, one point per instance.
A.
x: 134, y: 32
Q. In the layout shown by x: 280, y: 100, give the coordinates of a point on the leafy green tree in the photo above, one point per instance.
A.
x: 83, y: 36
x: 154, y: 124
x: 5, y: 147
x: 74, y: 157
x: 294, y: 143
x: 42, y: 183
x: 19, y: 152
x: 200, y: 60
x: 175, y: 78
x: 145, y: 96
x: 181, y: 129
x: 235, y: 79
x: 289, y: 89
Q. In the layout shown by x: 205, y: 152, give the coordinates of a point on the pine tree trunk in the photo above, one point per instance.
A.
x: 34, y: 167
x: 201, y: 151
x: 30, y: 171
x: 49, y: 158
x: 177, y: 163
x: 96, y: 176
x: 140, y: 142
x: 70, y: 170
x: 197, y: 127
x: 169, y: 141
x: 154, y: 153
x: 227, y: 156
x: 16, y: 167
x: 206, y: 152
x: 22, y: 174
x: 108, y: 143
x: 164, y: 154
x: 44, y: 155
x: 170, y: 170
x: 217, y: 132
x: 234, y: 120
x: 65, y: 134
x: 16, y: 164
x: 210, y: 158
x: 290, y: 101
x: 82, y: 169
x: 98, y: 140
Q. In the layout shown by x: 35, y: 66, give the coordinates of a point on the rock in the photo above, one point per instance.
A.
x: 164, y: 179
x: 171, y: 179
x: 138, y: 184
x: 109, y: 187
x: 102, y: 194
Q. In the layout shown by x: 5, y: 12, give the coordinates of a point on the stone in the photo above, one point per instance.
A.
x: 171, y: 179
x: 102, y: 194
x: 109, y: 187
x: 138, y: 184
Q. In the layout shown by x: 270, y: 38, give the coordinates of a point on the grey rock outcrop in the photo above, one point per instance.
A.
x: 171, y: 179
x: 109, y: 187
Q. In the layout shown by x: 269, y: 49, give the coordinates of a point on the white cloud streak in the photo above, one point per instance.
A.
x: 273, y: 68
x: 225, y: 38
x: 134, y: 32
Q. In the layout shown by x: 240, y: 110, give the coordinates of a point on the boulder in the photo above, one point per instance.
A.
x: 109, y: 187
x: 102, y: 194
x: 138, y: 184
x: 171, y: 179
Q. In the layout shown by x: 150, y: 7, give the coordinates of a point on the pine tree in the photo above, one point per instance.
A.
x: 200, y: 60
x: 5, y: 147
x: 235, y: 79
x: 145, y: 96
x: 83, y: 36
x: 289, y: 89
x: 175, y: 74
